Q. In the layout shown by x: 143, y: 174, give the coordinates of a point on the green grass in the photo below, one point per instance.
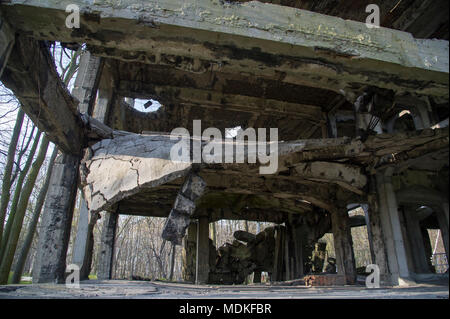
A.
x: 22, y: 282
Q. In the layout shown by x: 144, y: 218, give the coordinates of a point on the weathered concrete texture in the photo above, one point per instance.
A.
x: 159, y: 290
x: 84, y: 240
x: 392, y: 231
x: 411, y: 16
x: 376, y: 237
x: 90, y: 74
x: 86, y: 82
x: 120, y: 167
x: 349, y: 177
x: 136, y: 164
x: 416, y: 242
x: 54, y: 232
x: 325, y: 44
x: 442, y: 216
x: 190, y: 253
x: 81, y: 238
x: 106, y: 94
x: 31, y: 75
x: 343, y: 245
x: 6, y: 43
x: 203, y: 249
x: 107, y: 241
x: 183, y: 209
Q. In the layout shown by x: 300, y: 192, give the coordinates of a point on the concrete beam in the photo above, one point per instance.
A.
x: 31, y: 75
x: 135, y: 162
x: 348, y: 176
x: 216, y: 100
x: 7, y: 40
x: 324, y: 51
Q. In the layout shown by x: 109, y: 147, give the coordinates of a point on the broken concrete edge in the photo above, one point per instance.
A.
x: 180, y: 216
x: 128, y: 166
x: 278, y: 23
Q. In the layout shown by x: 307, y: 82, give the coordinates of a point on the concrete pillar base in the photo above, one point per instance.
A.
x: 56, y: 222
x: 202, y: 251
x: 106, y: 253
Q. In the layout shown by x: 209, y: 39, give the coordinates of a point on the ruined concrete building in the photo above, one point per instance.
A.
x: 361, y: 112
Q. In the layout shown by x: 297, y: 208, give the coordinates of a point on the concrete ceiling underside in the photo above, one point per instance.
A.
x: 229, y: 74
x: 221, y: 100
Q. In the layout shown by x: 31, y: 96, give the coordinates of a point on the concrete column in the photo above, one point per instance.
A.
x: 202, y: 272
x: 365, y: 208
x: 56, y: 222
x: 87, y: 81
x: 343, y: 245
x: 296, y: 246
x: 332, y: 125
x: 416, y: 242
x: 6, y: 43
x: 444, y: 225
x: 422, y: 110
x: 376, y: 239
x: 90, y: 74
x: 442, y: 216
x: 397, y: 232
x: 190, y: 253
x: 60, y: 202
x: 79, y: 247
x: 406, y: 241
x: 257, y: 277
x: 106, y: 253
x: 392, y: 231
x: 105, y: 98
x: 84, y: 240
x: 445, y: 211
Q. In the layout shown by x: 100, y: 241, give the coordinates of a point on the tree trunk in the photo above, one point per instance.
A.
x: 17, y: 193
x: 6, y: 185
x: 11, y: 246
x: 34, y: 221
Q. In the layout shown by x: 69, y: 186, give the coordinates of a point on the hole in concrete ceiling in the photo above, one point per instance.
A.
x: 143, y: 105
x: 232, y: 132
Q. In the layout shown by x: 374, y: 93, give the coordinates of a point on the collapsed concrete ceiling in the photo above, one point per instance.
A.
x: 250, y: 65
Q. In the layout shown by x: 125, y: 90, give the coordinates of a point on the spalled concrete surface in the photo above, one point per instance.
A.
x: 158, y: 290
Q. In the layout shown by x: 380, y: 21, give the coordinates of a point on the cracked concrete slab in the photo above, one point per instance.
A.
x: 119, y: 289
